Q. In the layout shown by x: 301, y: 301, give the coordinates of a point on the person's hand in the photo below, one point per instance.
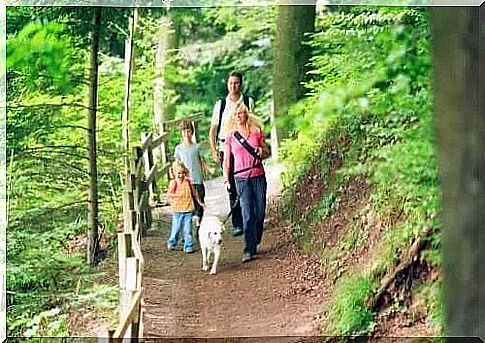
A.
x: 203, y: 205
x: 215, y: 156
x: 227, y: 184
x: 259, y: 152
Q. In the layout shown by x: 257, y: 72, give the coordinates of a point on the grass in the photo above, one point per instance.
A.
x: 348, y: 314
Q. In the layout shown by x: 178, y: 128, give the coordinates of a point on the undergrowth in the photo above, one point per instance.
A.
x: 386, y: 118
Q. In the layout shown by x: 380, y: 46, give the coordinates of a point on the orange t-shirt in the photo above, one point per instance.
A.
x: 184, y: 202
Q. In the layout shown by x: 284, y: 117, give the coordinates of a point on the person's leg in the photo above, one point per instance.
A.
x: 260, y: 188
x: 236, y: 218
x: 173, y: 239
x: 187, y: 226
x: 245, y: 190
x: 199, y: 211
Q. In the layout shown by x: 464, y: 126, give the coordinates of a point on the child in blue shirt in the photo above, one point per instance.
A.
x: 189, y: 153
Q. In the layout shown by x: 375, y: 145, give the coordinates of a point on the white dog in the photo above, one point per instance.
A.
x: 210, y: 240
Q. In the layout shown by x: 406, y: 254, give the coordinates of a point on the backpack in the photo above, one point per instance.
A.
x: 223, y: 106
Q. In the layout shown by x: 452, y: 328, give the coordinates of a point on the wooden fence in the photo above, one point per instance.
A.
x: 139, y: 191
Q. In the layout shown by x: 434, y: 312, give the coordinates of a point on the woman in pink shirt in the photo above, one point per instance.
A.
x: 248, y: 173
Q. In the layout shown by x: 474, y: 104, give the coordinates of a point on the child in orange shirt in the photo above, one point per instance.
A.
x: 180, y: 193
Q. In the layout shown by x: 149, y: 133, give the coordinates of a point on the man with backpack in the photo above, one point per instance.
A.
x: 222, y: 110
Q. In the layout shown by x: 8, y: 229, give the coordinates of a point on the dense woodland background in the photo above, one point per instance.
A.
x: 362, y: 76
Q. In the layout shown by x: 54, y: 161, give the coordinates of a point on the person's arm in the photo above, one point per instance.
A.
x: 172, y: 188
x: 204, y: 166
x: 263, y: 150
x: 197, y: 196
x: 226, y: 164
x: 213, y: 143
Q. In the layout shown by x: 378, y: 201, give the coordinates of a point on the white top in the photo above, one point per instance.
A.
x: 230, y: 105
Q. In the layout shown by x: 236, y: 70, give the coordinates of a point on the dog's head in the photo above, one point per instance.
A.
x: 214, y: 228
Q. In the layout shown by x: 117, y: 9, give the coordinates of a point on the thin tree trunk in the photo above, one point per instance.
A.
x: 93, y: 235
x: 459, y: 55
x: 159, y: 87
x: 167, y: 42
x: 291, y: 57
x: 128, y: 76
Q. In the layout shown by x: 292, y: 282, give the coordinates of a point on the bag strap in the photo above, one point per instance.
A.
x: 256, y: 159
x: 221, y: 110
x: 246, y: 145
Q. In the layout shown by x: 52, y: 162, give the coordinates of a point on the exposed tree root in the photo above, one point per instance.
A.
x: 402, y: 270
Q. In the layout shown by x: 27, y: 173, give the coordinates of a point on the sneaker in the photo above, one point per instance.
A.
x: 170, y: 247
x: 189, y: 250
x: 247, y: 257
x: 237, y: 232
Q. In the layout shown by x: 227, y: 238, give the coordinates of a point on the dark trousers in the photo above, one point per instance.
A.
x: 236, y: 217
x: 253, y: 208
x: 199, y: 211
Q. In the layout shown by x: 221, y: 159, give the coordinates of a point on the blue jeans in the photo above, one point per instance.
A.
x: 252, y: 194
x: 181, y: 220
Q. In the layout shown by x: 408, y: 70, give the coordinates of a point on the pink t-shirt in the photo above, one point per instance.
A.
x: 242, y: 158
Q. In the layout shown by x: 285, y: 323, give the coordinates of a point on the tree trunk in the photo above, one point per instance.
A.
x: 159, y: 96
x: 459, y: 57
x: 290, y: 58
x: 163, y: 109
x: 128, y: 77
x: 93, y: 235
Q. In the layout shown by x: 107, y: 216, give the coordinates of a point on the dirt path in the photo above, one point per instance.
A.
x: 259, y: 299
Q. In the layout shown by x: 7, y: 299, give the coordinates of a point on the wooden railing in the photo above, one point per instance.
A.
x: 139, y: 190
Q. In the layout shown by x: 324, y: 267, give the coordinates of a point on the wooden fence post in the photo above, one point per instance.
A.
x: 163, y: 148
x: 146, y: 140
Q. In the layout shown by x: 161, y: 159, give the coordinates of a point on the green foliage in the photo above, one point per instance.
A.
x: 43, y: 56
x: 348, y: 314
x: 48, y: 323
x: 325, y: 207
x: 369, y: 103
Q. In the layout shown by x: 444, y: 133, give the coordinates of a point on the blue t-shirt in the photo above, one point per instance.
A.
x: 190, y: 156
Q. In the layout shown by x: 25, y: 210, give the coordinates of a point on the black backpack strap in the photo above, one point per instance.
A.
x: 246, y: 101
x: 221, y: 110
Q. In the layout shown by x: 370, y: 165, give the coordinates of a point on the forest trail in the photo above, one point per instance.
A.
x: 264, y: 298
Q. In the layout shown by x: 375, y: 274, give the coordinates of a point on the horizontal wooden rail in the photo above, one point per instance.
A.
x: 158, y: 140
x: 169, y: 124
x: 130, y: 316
